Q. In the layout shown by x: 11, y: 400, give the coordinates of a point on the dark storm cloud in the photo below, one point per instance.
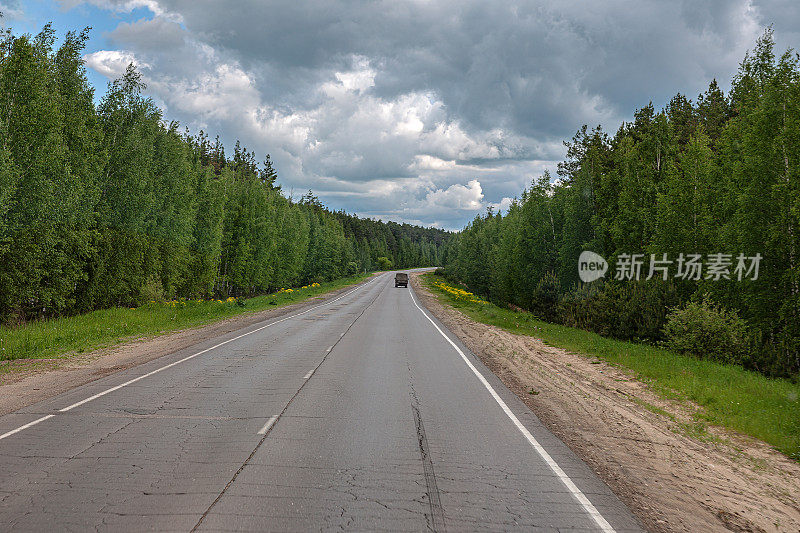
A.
x: 494, y: 65
x: 539, y: 68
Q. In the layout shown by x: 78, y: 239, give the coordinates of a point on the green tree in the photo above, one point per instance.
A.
x: 50, y: 210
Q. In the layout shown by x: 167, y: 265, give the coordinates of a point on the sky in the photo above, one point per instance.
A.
x: 419, y: 111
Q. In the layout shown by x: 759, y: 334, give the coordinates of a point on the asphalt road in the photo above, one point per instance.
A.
x: 358, y: 413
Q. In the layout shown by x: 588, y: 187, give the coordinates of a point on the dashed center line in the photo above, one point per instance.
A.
x: 270, y: 423
x: 263, y: 431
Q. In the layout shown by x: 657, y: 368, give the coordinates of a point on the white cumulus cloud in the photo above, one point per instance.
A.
x: 112, y: 63
x: 457, y: 196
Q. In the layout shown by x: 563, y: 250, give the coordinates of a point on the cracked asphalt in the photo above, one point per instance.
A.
x: 390, y: 431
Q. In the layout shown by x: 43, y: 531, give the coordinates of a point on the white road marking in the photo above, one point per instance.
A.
x: 263, y: 431
x: 26, y: 426
x: 156, y: 371
x: 565, y: 479
x: 308, y: 375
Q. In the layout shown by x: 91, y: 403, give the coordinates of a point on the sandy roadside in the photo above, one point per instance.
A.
x: 33, y: 380
x: 670, y: 480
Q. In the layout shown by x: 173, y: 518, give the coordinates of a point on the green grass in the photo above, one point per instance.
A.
x: 107, y: 327
x: 728, y: 396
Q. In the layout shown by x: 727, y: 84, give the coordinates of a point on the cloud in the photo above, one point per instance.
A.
x: 157, y: 35
x: 124, y: 6
x: 469, y: 197
x: 405, y: 110
x: 112, y: 63
x: 10, y: 10
x: 503, y: 205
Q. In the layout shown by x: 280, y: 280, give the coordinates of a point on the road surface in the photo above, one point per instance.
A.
x: 359, y: 412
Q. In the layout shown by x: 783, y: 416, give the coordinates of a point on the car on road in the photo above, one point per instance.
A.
x: 401, y: 279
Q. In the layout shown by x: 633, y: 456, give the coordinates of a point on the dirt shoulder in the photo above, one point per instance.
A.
x: 637, y: 442
x: 29, y: 381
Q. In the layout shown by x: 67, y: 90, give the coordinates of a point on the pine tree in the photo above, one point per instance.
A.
x: 268, y: 174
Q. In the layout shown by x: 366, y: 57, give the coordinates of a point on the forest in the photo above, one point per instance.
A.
x: 718, y: 177
x: 108, y: 204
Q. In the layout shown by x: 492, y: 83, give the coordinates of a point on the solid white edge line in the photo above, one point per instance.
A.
x: 263, y: 431
x: 565, y: 479
x: 156, y: 371
x: 26, y: 426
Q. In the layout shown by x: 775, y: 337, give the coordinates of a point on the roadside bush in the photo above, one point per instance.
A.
x: 707, y: 331
x: 544, y: 303
x: 384, y: 263
x: 628, y: 311
x: 151, y: 291
x: 650, y: 304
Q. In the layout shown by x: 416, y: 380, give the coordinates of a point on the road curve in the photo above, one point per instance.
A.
x: 360, y: 412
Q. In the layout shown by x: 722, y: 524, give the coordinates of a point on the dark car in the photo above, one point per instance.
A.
x: 401, y: 279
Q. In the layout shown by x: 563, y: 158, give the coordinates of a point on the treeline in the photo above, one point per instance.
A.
x: 717, y: 176
x: 107, y: 205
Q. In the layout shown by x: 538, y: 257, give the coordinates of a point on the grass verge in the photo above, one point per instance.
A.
x: 728, y: 396
x: 107, y: 327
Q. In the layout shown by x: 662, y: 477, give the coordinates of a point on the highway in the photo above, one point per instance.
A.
x: 358, y: 412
